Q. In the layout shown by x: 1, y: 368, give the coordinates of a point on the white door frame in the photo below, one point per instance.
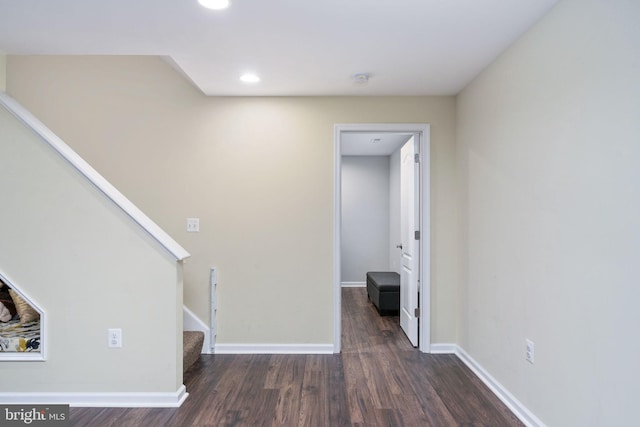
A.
x: 423, y: 130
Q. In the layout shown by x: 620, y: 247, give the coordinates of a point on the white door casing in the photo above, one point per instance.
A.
x: 423, y: 130
x: 410, y: 249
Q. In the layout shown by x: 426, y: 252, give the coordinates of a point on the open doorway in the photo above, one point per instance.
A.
x: 370, y: 140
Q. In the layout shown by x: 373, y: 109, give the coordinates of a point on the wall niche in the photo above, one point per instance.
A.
x: 21, y: 324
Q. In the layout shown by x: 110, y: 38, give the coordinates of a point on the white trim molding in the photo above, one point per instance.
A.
x: 101, y: 400
x: 274, y: 349
x: 353, y: 284
x: 519, y: 410
x: 93, y: 176
x: 443, y: 348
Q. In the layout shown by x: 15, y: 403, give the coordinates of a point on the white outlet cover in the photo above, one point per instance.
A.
x: 530, y: 353
x: 114, y: 338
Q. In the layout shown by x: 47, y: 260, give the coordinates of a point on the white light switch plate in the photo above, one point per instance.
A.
x: 193, y: 225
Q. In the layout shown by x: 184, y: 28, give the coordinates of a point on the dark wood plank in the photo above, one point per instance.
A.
x: 285, y: 376
x: 379, y: 379
x: 338, y: 410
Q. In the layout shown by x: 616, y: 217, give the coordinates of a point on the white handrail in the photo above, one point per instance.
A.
x: 93, y: 176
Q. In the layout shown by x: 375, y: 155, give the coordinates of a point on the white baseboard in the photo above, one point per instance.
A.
x: 444, y: 348
x: 99, y: 400
x: 274, y: 348
x: 353, y: 284
x: 514, y: 405
x: 191, y: 322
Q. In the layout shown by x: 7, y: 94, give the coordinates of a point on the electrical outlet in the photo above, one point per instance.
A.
x: 115, y: 338
x: 530, y: 354
x: 193, y: 225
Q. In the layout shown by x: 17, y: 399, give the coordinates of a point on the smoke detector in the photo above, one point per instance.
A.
x: 361, y: 78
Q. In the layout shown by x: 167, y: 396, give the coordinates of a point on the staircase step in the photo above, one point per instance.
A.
x: 191, y: 348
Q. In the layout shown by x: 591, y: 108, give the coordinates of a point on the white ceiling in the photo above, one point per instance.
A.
x: 298, y: 47
x: 371, y: 144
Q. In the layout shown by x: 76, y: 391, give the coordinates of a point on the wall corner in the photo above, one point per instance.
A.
x: 3, y: 72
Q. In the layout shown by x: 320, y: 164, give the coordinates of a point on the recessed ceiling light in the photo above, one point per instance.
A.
x: 214, y: 4
x: 249, y: 78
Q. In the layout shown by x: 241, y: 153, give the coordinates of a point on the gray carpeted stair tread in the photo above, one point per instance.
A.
x: 191, y: 348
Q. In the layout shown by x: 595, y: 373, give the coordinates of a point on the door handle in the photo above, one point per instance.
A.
x: 399, y: 246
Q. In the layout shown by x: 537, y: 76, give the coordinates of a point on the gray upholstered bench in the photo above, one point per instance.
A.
x: 383, y: 289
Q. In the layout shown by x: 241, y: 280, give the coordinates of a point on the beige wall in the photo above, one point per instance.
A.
x: 258, y: 172
x: 85, y: 263
x: 549, y: 154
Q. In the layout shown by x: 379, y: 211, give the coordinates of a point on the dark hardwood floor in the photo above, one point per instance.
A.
x: 379, y: 379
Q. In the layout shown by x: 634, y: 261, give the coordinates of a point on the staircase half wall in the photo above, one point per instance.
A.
x: 93, y: 262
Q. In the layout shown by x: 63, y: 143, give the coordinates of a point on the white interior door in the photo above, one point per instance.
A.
x: 410, y: 222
